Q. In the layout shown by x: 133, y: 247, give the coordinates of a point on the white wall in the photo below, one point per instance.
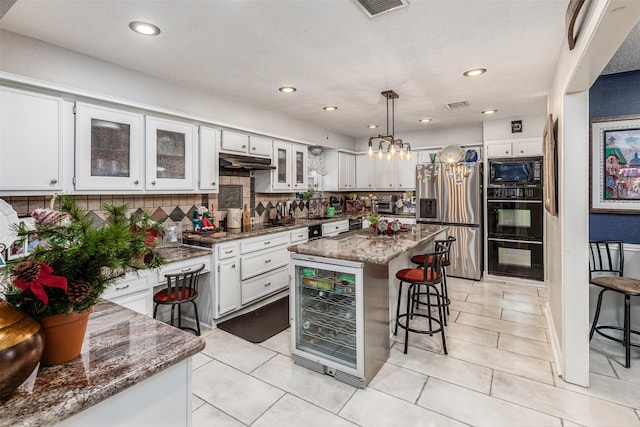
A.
x: 64, y: 68
x: 496, y: 130
x: 437, y: 137
x: 604, y: 28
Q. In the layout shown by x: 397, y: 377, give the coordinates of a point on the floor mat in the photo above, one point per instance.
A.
x: 261, y: 324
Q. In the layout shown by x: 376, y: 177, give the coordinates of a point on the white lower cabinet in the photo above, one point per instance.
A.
x: 265, y: 284
x: 134, y: 292
x: 248, y: 270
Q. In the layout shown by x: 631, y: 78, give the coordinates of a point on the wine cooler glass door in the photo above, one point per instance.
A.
x: 328, y: 314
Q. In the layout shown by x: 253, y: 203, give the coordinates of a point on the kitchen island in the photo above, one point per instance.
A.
x: 343, y: 294
x: 133, y: 370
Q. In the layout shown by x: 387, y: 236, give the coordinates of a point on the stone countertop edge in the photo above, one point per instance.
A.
x: 121, y: 348
x: 362, y: 246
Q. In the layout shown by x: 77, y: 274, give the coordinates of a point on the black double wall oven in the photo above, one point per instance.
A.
x: 515, y: 223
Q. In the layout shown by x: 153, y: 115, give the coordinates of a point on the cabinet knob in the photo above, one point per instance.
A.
x: 288, y: 185
x: 213, y: 183
x: 153, y: 183
x: 506, y: 152
x: 54, y: 181
x: 266, y: 285
x: 267, y: 261
x: 233, y: 266
x: 521, y: 151
x: 244, y: 146
x: 253, y: 148
x: 136, y: 182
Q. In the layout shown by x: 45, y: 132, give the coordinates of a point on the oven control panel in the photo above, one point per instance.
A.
x: 514, y: 193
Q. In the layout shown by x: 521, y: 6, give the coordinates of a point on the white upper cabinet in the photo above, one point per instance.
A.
x: 209, y: 163
x: 406, y: 173
x: 365, y: 172
x: 291, y: 169
x: 234, y: 142
x: 281, y: 176
x: 170, y: 159
x: 340, y: 171
x: 527, y: 147
x: 300, y: 167
x: 109, y: 149
x: 385, y: 174
x: 31, y: 139
x: 260, y: 146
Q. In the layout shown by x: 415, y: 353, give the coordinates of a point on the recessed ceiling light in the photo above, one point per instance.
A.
x: 145, y: 28
x: 489, y: 111
x: 287, y: 89
x: 330, y: 108
x: 474, y: 72
x: 425, y: 120
x: 372, y: 126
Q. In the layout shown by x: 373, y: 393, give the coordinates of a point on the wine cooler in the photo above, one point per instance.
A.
x: 332, y: 325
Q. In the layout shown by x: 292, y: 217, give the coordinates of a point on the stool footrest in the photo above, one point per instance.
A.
x: 420, y: 331
x: 616, y: 328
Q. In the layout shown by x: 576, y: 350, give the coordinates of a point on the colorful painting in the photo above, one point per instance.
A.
x: 615, y: 165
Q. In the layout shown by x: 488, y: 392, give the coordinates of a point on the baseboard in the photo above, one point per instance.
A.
x: 555, y: 342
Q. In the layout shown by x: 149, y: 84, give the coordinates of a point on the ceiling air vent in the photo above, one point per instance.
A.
x: 374, y: 8
x: 459, y: 104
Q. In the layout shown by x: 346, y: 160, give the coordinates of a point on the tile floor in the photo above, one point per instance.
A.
x: 499, y: 372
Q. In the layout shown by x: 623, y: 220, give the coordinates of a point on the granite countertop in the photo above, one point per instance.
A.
x: 121, y: 348
x: 362, y: 246
x: 210, y: 239
x: 181, y: 252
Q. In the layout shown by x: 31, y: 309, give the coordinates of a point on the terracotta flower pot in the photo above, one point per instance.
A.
x: 63, y: 336
x: 21, y: 344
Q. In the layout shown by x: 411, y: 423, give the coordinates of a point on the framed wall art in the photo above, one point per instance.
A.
x: 615, y: 165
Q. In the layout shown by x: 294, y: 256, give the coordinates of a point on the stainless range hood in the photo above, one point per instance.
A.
x: 236, y: 161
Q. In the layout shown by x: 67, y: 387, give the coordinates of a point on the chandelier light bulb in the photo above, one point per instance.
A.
x: 408, y: 155
x: 380, y: 154
x: 401, y: 153
x: 392, y: 149
x: 388, y: 156
x: 370, y: 152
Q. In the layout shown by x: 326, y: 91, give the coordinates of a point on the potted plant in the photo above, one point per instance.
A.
x: 66, y: 273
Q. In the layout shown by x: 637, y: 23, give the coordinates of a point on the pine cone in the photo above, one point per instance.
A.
x: 78, y: 290
x: 27, y: 271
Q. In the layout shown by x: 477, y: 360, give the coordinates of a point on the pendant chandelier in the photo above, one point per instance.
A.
x: 388, y: 146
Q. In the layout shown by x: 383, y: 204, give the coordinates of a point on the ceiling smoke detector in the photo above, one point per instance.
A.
x: 374, y: 8
x: 459, y: 104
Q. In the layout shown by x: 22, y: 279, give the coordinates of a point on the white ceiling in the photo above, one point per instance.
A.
x: 329, y: 49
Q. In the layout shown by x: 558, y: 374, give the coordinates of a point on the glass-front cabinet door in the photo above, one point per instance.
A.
x: 300, y: 167
x: 282, y: 158
x: 108, y: 149
x: 170, y: 154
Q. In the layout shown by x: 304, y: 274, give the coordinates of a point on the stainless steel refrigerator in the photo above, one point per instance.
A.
x: 452, y: 195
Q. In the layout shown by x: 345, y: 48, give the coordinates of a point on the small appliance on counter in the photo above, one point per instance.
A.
x: 386, y: 204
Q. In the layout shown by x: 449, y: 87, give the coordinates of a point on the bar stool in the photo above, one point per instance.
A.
x: 609, y: 276
x: 420, y: 261
x: 181, y: 288
x: 428, y: 276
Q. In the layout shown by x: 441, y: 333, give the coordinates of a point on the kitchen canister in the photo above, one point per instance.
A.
x: 234, y: 218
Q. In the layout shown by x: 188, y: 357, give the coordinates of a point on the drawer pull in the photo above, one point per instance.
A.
x: 300, y: 235
x: 266, y: 285
x: 267, y: 261
x: 184, y: 270
x: 122, y: 288
x: 230, y: 251
x: 267, y: 243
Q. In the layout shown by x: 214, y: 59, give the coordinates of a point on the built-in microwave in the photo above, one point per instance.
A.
x: 514, y: 171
